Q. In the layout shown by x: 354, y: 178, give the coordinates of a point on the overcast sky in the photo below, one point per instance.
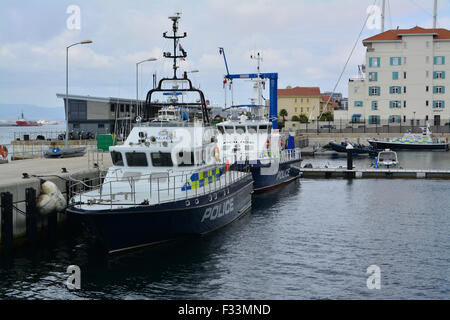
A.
x: 306, y: 42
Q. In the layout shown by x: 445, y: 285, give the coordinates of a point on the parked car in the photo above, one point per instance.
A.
x: 328, y: 126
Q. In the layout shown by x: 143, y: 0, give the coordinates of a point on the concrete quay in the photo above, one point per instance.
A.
x: 13, y: 182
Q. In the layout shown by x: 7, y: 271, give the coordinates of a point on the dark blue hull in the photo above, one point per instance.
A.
x: 124, y: 229
x: 262, y: 181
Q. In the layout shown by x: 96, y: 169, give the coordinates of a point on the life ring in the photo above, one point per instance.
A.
x: 267, y: 144
x: 282, y: 142
x: 4, y: 152
x: 216, y: 153
x: 227, y: 165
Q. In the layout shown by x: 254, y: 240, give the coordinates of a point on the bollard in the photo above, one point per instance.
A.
x: 349, y: 160
x: 31, y: 213
x: 7, y: 222
x: 349, y: 163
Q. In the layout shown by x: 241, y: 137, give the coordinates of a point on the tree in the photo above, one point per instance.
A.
x: 326, y: 116
x: 303, y: 118
x: 283, y: 114
x: 295, y: 118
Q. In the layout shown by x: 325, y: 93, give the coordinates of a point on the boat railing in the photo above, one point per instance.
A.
x: 266, y: 156
x: 153, y: 189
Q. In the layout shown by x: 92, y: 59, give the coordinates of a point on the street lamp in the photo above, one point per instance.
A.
x: 67, y: 87
x: 138, y: 111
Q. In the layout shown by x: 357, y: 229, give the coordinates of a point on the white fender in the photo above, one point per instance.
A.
x: 51, y: 199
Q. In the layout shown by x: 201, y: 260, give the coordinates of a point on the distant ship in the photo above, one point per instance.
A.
x: 25, y: 123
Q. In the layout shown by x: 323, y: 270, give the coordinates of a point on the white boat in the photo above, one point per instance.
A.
x: 165, y: 182
x: 386, y: 159
x: 248, y: 142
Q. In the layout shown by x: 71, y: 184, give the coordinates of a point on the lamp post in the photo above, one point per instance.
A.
x: 67, y: 88
x: 138, y: 111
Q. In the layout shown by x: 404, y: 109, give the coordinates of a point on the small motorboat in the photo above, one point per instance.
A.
x: 386, y: 159
x: 359, y: 149
x: 65, y: 152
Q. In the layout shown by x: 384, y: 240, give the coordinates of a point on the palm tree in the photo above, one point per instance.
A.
x: 284, y: 114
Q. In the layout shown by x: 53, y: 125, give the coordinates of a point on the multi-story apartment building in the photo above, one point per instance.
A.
x: 302, y: 100
x: 405, y: 78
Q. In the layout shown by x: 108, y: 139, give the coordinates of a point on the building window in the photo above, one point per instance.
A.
x: 439, y: 60
x: 427, y: 74
x: 426, y: 103
x: 295, y: 100
x: 374, y: 91
x: 374, y: 105
x: 438, y: 104
x: 128, y: 108
x: 76, y: 126
x: 301, y: 100
x: 404, y: 45
x: 428, y: 44
x: 395, y: 104
x: 438, y: 45
x: 427, y: 88
x: 395, y: 89
x: 395, y: 118
x: 404, y: 75
x: 373, y: 76
x: 439, y: 75
x: 356, y: 89
x: 427, y: 59
x: 307, y: 100
x: 395, y: 75
x: 404, y: 60
x: 404, y: 89
x: 438, y: 89
x: 374, y: 62
x: 358, y: 104
x: 396, y: 61
x: 113, y: 107
x: 397, y: 45
x: 295, y: 110
x: 404, y: 104
x: 374, y: 119
x: 101, y: 126
x: 122, y: 108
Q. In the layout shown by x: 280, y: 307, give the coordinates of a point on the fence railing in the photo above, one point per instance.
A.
x: 151, y: 189
x: 364, y: 125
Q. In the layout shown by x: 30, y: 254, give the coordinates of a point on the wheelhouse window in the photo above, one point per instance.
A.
x: 262, y: 129
x: 185, y: 159
x: 240, y: 130
x: 117, y: 159
x: 229, y: 129
x: 136, y: 159
x: 252, y: 129
x: 162, y: 159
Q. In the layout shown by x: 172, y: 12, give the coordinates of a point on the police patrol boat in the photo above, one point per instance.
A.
x: 249, y: 143
x: 386, y: 159
x: 411, y: 141
x: 166, y: 180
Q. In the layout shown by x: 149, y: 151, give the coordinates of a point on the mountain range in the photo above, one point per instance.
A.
x: 12, y: 112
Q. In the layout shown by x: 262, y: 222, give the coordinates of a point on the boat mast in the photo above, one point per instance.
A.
x: 175, y: 38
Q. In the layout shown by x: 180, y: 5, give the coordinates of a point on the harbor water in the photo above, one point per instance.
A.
x: 312, y: 239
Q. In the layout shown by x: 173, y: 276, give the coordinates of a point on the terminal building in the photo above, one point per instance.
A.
x: 405, y: 79
x: 100, y: 115
x: 108, y: 115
